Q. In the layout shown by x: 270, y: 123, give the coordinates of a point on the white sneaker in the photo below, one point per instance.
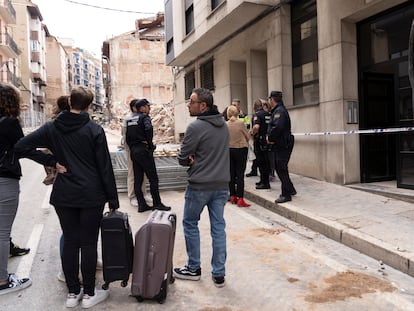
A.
x: 14, y: 284
x: 148, y: 198
x: 99, y: 264
x: 72, y: 300
x: 90, y: 301
x: 61, y: 277
x: 133, y: 202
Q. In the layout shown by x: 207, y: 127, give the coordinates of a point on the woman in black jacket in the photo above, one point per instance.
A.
x: 79, y: 194
x: 10, y: 132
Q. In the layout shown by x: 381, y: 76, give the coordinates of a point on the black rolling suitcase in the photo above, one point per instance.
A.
x: 117, y: 248
x: 153, y: 253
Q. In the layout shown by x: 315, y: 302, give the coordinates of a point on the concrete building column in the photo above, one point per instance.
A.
x: 238, y: 83
x: 338, y: 76
x: 256, y: 77
x: 279, y: 55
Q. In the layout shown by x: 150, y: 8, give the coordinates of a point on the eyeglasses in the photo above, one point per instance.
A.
x: 194, y: 101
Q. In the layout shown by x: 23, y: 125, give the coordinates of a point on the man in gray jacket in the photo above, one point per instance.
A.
x: 205, y: 149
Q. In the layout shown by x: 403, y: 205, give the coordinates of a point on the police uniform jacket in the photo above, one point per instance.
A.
x: 279, y: 128
x: 261, y: 118
x: 139, y: 130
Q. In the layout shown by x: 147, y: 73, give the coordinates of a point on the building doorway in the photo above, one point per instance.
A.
x: 383, y: 92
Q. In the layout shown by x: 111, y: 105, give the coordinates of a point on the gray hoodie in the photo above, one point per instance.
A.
x: 207, y: 140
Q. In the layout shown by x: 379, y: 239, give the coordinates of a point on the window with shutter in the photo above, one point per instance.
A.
x: 215, y: 3
x: 189, y: 16
x: 189, y: 79
x: 207, y: 75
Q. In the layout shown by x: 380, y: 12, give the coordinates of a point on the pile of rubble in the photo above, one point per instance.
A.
x: 162, y: 116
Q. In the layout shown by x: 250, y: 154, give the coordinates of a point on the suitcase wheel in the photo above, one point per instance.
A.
x: 140, y: 299
x: 105, y: 286
x: 124, y: 283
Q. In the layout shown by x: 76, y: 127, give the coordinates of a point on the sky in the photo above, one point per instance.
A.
x: 89, y: 25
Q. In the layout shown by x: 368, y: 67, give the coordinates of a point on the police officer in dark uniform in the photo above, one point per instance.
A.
x: 259, y: 131
x: 280, y: 136
x: 139, y: 134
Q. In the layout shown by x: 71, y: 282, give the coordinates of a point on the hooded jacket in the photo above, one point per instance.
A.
x: 80, y: 145
x: 207, y: 141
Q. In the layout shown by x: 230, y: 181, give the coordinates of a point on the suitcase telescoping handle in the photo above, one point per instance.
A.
x: 160, y: 215
x: 114, y: 212
x: 172, y: 218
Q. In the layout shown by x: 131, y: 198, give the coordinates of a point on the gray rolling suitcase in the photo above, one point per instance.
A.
x: 153, y: 253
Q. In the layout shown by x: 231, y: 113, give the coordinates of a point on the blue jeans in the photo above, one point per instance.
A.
x: 195, y: 200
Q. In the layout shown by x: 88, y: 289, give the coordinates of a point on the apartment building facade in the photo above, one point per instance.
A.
x: 9, y: 52
x: 57, y: 68
x: 134, y: 67
x: 84, y: 69
x: 30, y: 36
x: 342, y: 67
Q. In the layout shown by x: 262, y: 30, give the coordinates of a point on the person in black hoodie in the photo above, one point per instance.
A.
x: 78, y: 195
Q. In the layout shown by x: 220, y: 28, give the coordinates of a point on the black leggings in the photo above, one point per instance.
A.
x: 80, y: 228
x: 238, y: 159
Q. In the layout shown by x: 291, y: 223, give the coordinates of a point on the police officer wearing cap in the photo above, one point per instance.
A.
x: 280, y: 137
x: 139, y: 135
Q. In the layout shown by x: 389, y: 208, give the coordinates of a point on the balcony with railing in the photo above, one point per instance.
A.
x: 35, y: 57
x: 8, y: 46
x: 7, y: 11
x: 6, y: 76
x: 38, y: 78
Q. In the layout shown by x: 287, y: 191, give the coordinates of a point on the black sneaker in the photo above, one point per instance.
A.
x: 186, y: 273
x: 144, y: 207
x: 219, y: 281
x: 251, y: 174
x: 161, y: 207
x: 14, y: 284
x: 15, y: 250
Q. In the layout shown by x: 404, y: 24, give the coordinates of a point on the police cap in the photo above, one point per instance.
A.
x: 275, y: 94
x: 142, y: 102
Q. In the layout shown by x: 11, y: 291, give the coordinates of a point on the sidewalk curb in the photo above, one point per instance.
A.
x: 366, y: 244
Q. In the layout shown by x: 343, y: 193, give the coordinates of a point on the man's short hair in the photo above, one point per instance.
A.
x: 80, y: 98
x: 63, y: 103
x: 205, y: 95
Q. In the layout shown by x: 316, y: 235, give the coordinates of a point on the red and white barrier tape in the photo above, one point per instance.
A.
x: 371, y: 131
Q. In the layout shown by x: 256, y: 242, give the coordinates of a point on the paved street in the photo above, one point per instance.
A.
x: 273, y: 263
